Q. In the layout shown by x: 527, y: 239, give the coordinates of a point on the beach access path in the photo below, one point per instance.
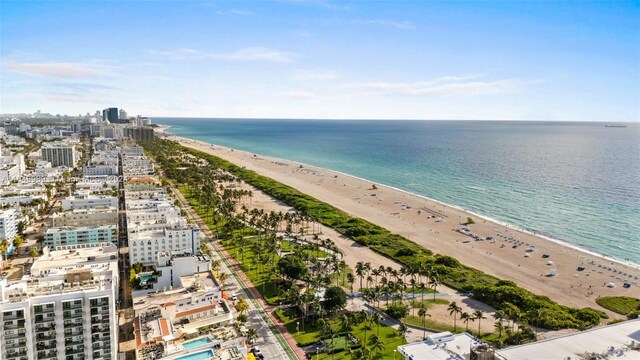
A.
x: 431, y: 224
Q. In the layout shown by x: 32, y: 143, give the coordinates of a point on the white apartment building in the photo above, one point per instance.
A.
x: 157, y: 193
x: 167, y: 316
x: 144, y: 246
x: 86, y: 201
x: 97, y: 184
x: 11, y: 168
x: 56, y: 237
x: 59, y: 154
x: 169, y: 269
x: 17, y: 200
x: 163, y: 213
x: 96, y: 170
x: 86, y: 217
x: 8, y: 224
x: 132, y: 150
x: 66, y: 308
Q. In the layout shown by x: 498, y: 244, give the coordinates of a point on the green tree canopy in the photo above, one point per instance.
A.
x: 292, y: 267
x: 334, y: 298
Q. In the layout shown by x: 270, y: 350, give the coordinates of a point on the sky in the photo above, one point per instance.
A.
x: 517, y: 60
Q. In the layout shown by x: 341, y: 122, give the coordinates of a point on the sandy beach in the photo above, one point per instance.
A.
x: 434, y: 225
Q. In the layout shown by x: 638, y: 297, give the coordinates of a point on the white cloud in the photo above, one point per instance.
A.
x: 314, y: 75
x: 56, y: 70
x: 304, y: 95
x: 253, y: 53
x: 402, y: 25
x: 456, y: 85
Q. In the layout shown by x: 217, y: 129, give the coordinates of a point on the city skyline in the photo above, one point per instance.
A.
x: 317, y: 59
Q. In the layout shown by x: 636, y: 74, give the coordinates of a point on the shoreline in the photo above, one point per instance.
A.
x: 503, y: 262
x: 409, y: 193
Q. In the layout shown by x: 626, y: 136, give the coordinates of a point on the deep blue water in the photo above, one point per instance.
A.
x: 576, y: 182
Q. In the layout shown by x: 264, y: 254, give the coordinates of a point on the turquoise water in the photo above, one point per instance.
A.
x: 195, y: 343
x: 576, y: 182
x: 204, y: 355
x: 145, y: 278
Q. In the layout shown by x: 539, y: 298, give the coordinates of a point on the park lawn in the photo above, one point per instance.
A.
x: 430, y: 324
x: 261, y: 276
x: 311, y: 334
x: 429, y: 303
x: 622, y: 305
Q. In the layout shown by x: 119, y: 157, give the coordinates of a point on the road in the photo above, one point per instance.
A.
x: 271, y: 341
x: 126, y: 337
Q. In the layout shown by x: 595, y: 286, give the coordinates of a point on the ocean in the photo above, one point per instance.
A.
x: 574, y: 182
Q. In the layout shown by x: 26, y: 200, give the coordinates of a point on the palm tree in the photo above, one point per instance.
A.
x: 434, y: 281
x: 4, y: 246
x: 376, y: 344
x: 360, y: 270
x: 252, y: 335
x: 403, y: 330
x: 422, y: 312
x: 479, y: 315
x: 351, y: 279
x: 223, y: 276
x: 242, y: 305
x: 466, y: 318
x: 33, y: 253
x: 367, y: 322
x: 454, y: 310
x: 499, y: 316
x: 345, y: 326
x: 376, y: 318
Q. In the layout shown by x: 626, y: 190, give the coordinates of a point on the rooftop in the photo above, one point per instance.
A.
x: 61, y: 271
x: 441, y: 346
x: 79, y: 228
x: 613, y: 341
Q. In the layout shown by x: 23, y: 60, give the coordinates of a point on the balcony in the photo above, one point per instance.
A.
x: 15, y: 326
x: 73, y: 332
x: 46, y: 322
x: 12, y: 317
x: 15, y: 335
x: 71, y: 342
x: 100, y: 320
x: 51, y: 354
x: 99, y: 312
x: 46, y: 336
x: 44, y: 328
x: 72, y: 315
x: 44, y: 346
x: 73, y: 324
x: 16, y: 345
x: 17, y: 354
x: 44, y: 309
x: 71, y: 306
x: 78, y: 350
x: 98, y: 303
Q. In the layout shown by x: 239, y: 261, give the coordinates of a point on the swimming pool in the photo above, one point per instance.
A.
x: 195, y: 343
x: 203, y: 355
x: 145, y: 278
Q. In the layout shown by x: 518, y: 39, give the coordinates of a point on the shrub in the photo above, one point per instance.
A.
x: 397, y: 311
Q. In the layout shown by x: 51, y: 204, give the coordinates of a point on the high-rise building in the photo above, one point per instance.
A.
x: 8, y: 224
x: 123, y: 115
x: 139, y: 133
x: 59, y: 154
x: 110, y: 115
x: 65, y: 309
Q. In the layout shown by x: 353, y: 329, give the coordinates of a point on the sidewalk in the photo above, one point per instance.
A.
x: 268, y: 309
